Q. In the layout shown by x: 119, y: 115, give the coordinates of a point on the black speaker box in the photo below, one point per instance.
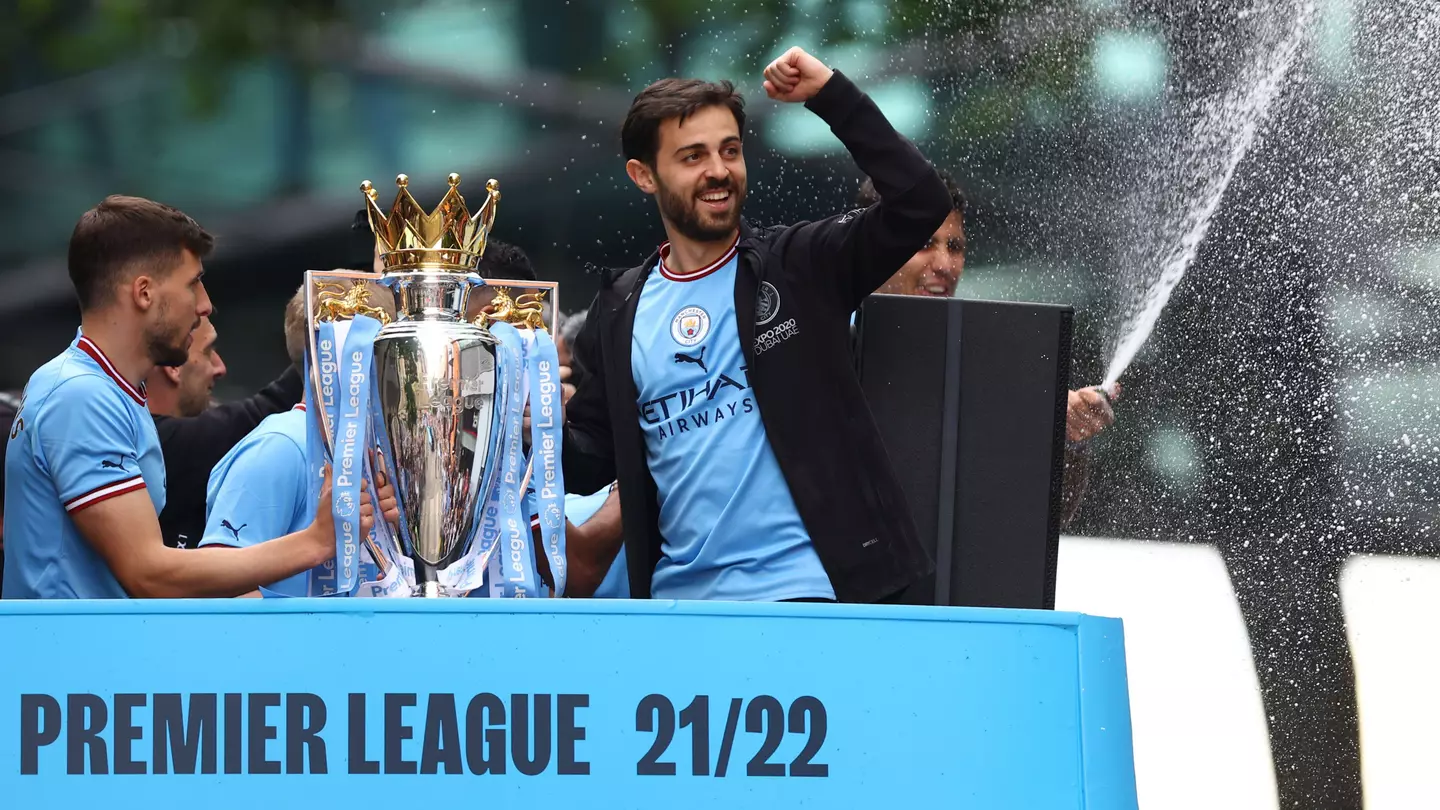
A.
x: 970, y: 398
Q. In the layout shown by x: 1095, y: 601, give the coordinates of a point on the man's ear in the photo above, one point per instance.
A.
x: 172, y: 373
x: 641, y: 175
x: 142, y: 292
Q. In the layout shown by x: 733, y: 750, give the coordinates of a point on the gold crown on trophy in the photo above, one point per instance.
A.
x: 448, y: 239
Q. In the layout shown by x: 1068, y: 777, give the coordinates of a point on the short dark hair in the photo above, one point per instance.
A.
x: 123, y: 232
x: 867, y: 196
x: 673, y: 98
x: 503, y: 260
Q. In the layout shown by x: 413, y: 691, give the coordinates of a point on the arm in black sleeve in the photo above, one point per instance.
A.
x: 214, y: 432
x: 588, y: 456
x: 858, y: 251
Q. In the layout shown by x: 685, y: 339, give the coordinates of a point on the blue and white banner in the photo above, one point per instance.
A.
x: 998, y: 709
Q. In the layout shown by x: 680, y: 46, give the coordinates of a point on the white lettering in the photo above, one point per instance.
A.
x: 328, y: 368
x: 517, y: 550
x: 357, y: 380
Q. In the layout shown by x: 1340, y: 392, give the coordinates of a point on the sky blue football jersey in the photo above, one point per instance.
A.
x: 83, y: 435
x: 730, y: 527
x: 259, y: 490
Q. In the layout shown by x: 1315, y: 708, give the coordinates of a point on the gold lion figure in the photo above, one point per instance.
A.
x: 527, y: 310
x: 344, y: 304
x: 530, y: 310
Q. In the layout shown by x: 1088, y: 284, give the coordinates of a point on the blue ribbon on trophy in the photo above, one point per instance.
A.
x: 506, y: 532
x: 321, y: 411
x: 350, y: 447
x: 340, y: 408
x: 531, y: 367
x: 517, y: 551
x: 546, y: 438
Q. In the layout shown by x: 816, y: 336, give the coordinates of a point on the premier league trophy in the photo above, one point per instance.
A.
x: 431, y: 389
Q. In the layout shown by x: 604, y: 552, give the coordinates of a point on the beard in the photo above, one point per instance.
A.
x: 168, y: 343
x: 684, y: 214
x: 193, y: 400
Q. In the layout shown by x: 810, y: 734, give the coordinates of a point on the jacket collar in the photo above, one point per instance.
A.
x: 748, y: 236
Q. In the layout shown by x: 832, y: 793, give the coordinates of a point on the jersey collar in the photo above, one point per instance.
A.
x: 88, y: 346
x: 696, y: 274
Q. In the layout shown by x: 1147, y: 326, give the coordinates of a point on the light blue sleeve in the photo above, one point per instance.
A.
x: 86, y: 434
x: 580, y: 508
x: 257, y: 495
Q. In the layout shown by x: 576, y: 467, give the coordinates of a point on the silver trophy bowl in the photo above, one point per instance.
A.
x: 437, y: 417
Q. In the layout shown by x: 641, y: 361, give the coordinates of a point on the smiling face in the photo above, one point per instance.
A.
x: 935, y: 269
x: 698, y: 177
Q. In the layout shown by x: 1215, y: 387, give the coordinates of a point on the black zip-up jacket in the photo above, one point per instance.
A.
x: 803, y: 282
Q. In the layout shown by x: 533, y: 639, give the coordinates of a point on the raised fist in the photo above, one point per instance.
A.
x: 795, y: 77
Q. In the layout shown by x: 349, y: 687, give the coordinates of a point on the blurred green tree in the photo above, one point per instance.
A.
x: 55, y: 39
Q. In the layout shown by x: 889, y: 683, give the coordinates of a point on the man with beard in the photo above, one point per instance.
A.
x: 195, y: 433
x: 719, y: 390
x: 84, y: 477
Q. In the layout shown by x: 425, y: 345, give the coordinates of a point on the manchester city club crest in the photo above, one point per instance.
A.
x: 767, y: 304
x: 690, y: 326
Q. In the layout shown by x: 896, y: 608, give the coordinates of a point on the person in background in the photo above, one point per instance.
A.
x: 9, y: 406
x: 565, y: 332
x: 84, y: 474
x: 195, y: 435
x: 503, y: 260
x: 184, y: 391
x: 260, y: 489
x: 935, y: 271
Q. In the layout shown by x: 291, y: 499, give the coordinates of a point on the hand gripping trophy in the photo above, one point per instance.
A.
x: 424, y: 373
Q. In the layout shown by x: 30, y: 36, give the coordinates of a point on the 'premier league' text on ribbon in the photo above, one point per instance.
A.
x: 519, y: 574
x: 322, y: 580
x: 350, y: 426
x: 328, y: 369
x: 545, y: 442
x: 347, y: 476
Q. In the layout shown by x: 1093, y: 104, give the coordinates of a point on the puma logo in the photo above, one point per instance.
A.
x: 233, y: 529
x: 681, y: 357
x: 117, y: 465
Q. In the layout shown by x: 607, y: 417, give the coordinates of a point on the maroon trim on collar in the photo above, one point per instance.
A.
x: 702, y: 272
x: 88, y: 346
